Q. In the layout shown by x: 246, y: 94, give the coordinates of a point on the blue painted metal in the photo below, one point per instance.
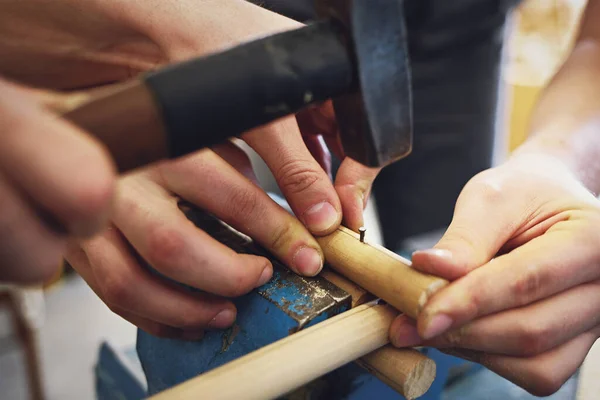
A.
x: 113, y: 380
x: 283, y: 306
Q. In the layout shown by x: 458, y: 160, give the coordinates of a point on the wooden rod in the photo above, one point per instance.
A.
x: 379, y: 271
x: 287, y: 364
x: 358, y: 295
x: 407, y: 371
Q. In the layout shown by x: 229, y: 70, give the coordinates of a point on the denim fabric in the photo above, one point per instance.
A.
x: 455, y: 51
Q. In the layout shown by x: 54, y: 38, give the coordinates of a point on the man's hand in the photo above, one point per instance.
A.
x: 55, y: 183
x: 114, y: 39
x: 522, y: 250
x: 66, y: 45
x: 147, y: 223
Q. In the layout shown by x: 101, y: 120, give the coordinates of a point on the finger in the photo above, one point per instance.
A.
x: 160, y: 330
x: 543, y: 374
x: 80, y: 262
x: 317, y: 148
x: 303, y: 182
x: 237, y: 158
x: 125, y: 285
x: 210, y: 183
x: 483, y: 221
x: 404, y: 333
x: 353, y: 184
x: 30, y: 252
x: 549, y: 264
x: 65, y: 172
x: 320, y: 120
x: 149, y: 218
x: 530, y: 330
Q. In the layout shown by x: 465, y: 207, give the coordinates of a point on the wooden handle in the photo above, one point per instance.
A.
x: 378, y: 270
x: 126, y: 120
x: 289, y: 363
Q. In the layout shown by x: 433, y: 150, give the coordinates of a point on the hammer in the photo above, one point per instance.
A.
x: 355, y: 54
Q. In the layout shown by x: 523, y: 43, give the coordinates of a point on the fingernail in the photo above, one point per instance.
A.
x: 320, y: 217
x: 192, y: 335
x: 265, y: 276
x: 406, y: 336
x: 307, y: 261
x: 437, y: 325
x: 223, y: 319
x: 439, y: 253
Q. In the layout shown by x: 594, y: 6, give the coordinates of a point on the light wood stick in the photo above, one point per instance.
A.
x: 380, y: 271
x: 289, y: 363
x: 359, y: 295
x: 408, y: 371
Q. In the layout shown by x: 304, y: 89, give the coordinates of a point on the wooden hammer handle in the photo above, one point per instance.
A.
x: 380, y: 271
x: 289, y: 363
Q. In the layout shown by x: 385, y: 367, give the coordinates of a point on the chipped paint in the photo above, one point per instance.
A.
x: 229, y: 336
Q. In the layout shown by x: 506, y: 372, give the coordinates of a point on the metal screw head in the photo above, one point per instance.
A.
x: 362, y: 231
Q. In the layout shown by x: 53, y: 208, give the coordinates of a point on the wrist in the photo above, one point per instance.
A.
x: 579, y: 160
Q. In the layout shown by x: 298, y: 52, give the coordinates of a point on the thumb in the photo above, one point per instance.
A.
x: 484, y: 219
x: 353, y: 184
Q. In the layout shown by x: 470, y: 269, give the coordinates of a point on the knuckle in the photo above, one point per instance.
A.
x: 282, y: 236
x: 455, y: 338
x: 473, y: 303
x: 297, y: 176
x: 527, y: 286
x: 487, y: 187
x: 95, y: 197
x: 116, y: 289
x: 165, y: 245
x: 244, y: 203
x: 545, y: 381
x: 91, y: 198
x: 533, y: 338
x: 239, y: 282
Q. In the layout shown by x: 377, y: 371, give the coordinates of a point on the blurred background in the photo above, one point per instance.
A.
x: 50, y: 337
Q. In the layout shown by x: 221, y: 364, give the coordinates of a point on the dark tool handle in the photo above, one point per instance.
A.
x: 202, y: 102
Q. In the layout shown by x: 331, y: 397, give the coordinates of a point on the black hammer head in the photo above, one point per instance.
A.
x: 375, y: 122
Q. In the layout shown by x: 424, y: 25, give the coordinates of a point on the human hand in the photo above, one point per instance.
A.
x: 55, y: 183
x: 149, y: 226
x: 58, y: 46
x: 522, y: 251
x: 173, y: 34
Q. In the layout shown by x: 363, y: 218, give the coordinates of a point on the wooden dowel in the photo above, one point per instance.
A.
x: 380, y: 271
x: 287, y: 364
x: 407, y: 371
x: 359, y: 295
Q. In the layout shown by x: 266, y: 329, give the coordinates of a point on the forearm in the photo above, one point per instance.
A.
x: 184, y: 27
x: 566, y: 121
x: 77, y: 43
